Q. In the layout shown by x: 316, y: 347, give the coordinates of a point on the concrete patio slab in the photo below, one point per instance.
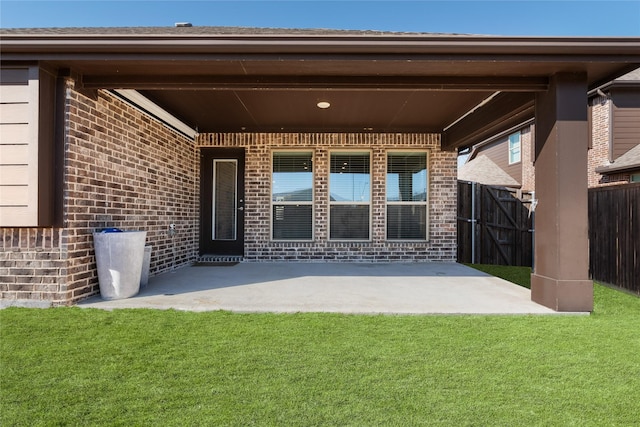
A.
x: 417, y: 288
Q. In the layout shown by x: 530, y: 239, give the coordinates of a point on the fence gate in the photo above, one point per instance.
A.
x: 495, y: 225
x: 614, y: 235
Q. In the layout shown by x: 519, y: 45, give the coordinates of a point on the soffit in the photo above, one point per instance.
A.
x: 286, y: 110
x: 218, y: 79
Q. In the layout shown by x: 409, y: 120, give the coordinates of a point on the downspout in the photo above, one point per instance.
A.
x: 532, y: 212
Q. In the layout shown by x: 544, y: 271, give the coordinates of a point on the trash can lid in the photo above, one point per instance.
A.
x: 111, y: 230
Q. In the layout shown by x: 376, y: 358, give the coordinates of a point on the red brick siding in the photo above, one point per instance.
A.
x: 122, y: 169
x: 126, y: 170
x: 259, y: 246
x: 31, y: 264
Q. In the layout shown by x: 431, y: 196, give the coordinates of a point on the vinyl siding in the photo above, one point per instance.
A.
x: 498, y: 152
x: 625, y: 120
x: 19, y: 91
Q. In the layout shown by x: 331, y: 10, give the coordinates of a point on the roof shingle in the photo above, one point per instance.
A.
x: 628, y: 161
x: 204, y: 31
x: 484, y: 171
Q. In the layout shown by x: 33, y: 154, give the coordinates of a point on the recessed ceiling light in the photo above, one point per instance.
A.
x: 324, y: 104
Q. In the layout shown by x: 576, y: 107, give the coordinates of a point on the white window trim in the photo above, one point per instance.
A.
x: 425, y: 203
x: 313, y: 195
x: 213, y: 198
x: 338, y: 203
x: 519, y: 147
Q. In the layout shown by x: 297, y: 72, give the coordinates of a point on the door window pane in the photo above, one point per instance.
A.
x: 407, y: 195
x: 224, y: 199
x: 292, y: 196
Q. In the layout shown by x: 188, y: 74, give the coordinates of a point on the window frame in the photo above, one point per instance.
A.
x: 311, y: 203
x: 510, y: 149
x: 401, y: 203
x: 347, y: 203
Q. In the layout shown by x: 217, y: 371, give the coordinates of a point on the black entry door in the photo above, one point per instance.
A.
x: 222, y: 201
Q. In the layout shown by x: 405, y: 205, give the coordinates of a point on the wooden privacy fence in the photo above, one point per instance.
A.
x: 495, y: 225
x: 614, y: 235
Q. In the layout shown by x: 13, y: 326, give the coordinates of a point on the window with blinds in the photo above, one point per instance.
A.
x: 407, y: 196
x: 350, y: 196
x: 292, y: 196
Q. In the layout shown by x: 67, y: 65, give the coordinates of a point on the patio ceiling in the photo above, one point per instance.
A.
x: 254, y: 80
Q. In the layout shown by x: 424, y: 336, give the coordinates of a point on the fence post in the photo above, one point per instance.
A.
x: 473, y: 223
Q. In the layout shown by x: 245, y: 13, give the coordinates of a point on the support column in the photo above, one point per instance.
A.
x: 561, y: 277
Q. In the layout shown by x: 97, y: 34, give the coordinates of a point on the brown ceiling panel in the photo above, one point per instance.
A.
x: 297, y: 110
x: 410, y: 67
x: 432, y: 66
x: 282, y: 110
x: 439, y: 109
x: 206, y: 111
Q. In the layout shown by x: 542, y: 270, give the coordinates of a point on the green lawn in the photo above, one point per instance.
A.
x: 71, y: 366
x: 519, y: 275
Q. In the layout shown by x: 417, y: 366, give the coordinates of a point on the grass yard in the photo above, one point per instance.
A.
x: 72, y: 366
x: 519, y: 275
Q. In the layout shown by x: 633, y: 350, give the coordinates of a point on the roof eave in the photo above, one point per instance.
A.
x: 608, y: 170
x: 329, y: 44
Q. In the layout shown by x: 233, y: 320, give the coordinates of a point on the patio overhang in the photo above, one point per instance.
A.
x: 261, y: 80
x: 465, y: 88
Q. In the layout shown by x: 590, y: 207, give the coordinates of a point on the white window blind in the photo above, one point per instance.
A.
x: 292, y: 196
x: 350, y: 196
x: 407, y: 196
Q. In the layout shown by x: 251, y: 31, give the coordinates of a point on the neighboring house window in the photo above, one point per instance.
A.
x: 350, y: 196
x: 635, y: 177
x: 292, y: 196
x: 514, y: 148
x: 407, y: 184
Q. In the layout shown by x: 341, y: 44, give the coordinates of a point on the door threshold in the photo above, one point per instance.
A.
x: 209, y: 260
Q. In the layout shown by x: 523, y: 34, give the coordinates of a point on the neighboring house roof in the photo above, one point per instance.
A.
x: 484, y: 171
x: 632, y: 76
x: 627, y: 162
x: 631, y: 79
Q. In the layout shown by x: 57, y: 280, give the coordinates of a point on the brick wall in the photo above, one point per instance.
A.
x: 32, y: 265
x: 528, y: 170
x: 259, y: 246
x: 599, y: 153
x: 122, y: 169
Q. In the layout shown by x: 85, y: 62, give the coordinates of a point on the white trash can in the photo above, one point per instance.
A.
x: 119, y: 257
